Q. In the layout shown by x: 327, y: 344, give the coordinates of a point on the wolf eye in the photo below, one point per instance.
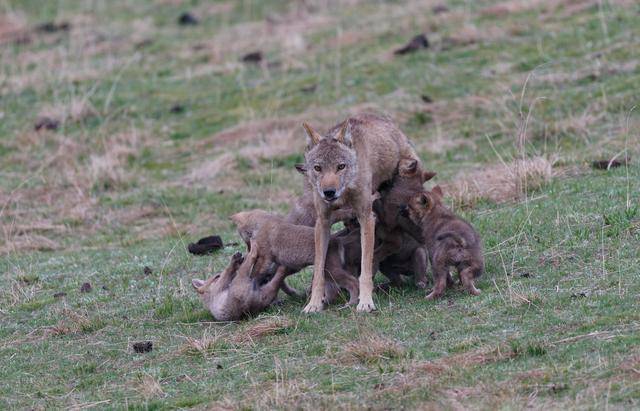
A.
x: 317, y: 168
x: 341, y: 166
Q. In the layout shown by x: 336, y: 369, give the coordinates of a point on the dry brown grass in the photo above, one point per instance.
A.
x: 203, y: 346
x: 149, y: 387
x: 371, y: 348
x: 262, y: 328
x: 502, y: 182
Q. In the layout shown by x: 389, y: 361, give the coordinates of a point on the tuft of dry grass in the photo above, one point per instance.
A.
x: 371, y: 348
x: 200, y: 346
x: 502, y: 182
x: 149, y: 387
x: 262, y: 328
x: 72, y: 322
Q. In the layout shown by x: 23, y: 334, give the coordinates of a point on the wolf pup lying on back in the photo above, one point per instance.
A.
x: 233, y: 293
x: 451, y: 241
x: 344, y: 168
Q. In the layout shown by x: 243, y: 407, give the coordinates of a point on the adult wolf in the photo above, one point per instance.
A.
x: 344, y: 168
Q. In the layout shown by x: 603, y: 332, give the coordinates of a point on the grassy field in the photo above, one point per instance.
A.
x: 152, y: 133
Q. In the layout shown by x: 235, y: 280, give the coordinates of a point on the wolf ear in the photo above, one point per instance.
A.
x: 344, y: 136
x: 197, y: 284
x: 301, y: 168
x: 437, y: 190
x: 424, y: 200
x: 313, y: 136
x: 407, y: 167
x: 428, y: 175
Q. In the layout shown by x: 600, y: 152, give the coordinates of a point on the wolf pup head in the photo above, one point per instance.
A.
x: 210, y: 288
x: 422, y: 205
x: 330, y: 162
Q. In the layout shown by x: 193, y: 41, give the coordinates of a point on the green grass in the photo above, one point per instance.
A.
x: 126, y: 183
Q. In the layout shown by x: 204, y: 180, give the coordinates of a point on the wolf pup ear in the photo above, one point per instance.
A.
x: 344, y: 136
x: 313, y: 136
x: 428, y: 175
x: 437, y: 190
x: 197, y: 284
x: 301, y: 168
x: 424, y: 200
x: 407, y: 167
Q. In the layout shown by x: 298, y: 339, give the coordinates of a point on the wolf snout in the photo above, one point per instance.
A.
x: 329, y: 194
x: 404, y: 210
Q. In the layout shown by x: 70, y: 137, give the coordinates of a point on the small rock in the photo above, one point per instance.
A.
x: 612, y: 163
x: 206, y: 245
x: 59, y: 294
x: 187, y: 19
x: 426, y: 99
x: 85, y: 288
x: 46, y: 123
x: 218, y: 366
x: 439, y: 8
x: 418, y: 42
x: 254, y: 57
x: 177, y: 109
x: 142, y: 346
x: 147, y: 270
x: 309, y: 89
x: 51, y: 27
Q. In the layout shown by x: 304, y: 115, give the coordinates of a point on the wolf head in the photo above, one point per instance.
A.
x: 330, y: 162
x: 423, y: 205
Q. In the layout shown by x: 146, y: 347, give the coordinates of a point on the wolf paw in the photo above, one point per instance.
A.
x: 313, y: 308
x: 433, y: 295
x: 366, y: 307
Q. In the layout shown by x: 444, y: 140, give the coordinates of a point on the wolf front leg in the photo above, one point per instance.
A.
x: 322, y: 233
x: 367, y: 235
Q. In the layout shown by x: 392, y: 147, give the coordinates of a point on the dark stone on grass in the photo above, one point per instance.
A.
x: 177, y: 109
x: 206, y: 245
x: 147, y: 270
x: 417, y: 43
x: 439, y: 8
x: 60, y: 294
x: 612, y: 163
x: 46, y: 123
x: 254, y: 57
x: 218, y: 366
x: 142, y: 346
x: 426, y: 99
x: 51, y: 27
x: 187, y: 19
x: 309, y: 89
x: 85, y: 288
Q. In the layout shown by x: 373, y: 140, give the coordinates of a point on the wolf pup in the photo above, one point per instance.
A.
x: 402, y: 254
x: 290, y: 247
x: 233, y: 293
x: 451, y: 241
x: 344, y: 168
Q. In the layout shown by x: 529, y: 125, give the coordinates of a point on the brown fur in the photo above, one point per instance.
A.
x: 344, y: 168
x: 451, y: 241
x: 400, y: 254
x: 233, y: 293
x: 291, y: 246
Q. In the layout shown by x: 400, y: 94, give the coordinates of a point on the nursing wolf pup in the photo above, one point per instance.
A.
x: 344, y: 168
x: 233, y: 293
x: 451, y: 241
x: 405, y: 255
